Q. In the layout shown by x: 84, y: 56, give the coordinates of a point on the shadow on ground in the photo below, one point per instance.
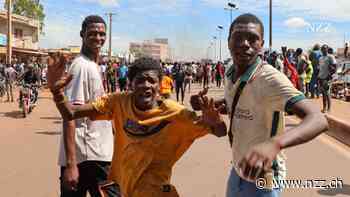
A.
x: 345, y: 190
x: 17, y: 114
x: 48, y: 133
x: 44, y: 97
x: 51, y: 118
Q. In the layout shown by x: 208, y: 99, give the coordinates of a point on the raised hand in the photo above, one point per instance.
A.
x: 210, y: 114
x: 197, y: 99
x: 57, y: 78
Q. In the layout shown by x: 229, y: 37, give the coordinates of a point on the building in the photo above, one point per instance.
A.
x: 25, y: 36
x: 157, y: 49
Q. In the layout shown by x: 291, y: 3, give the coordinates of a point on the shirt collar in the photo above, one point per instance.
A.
x: 247, y: 74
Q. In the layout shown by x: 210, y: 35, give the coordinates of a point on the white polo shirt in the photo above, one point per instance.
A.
x: 259, y: 111
x: 94, y: 139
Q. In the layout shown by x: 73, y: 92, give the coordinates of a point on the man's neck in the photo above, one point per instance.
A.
x: 89, y: 54
x: 241, y: 69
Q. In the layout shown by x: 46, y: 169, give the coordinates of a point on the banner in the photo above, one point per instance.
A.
x: 3, y: 39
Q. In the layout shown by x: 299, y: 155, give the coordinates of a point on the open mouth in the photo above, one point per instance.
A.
x: 147, y: 95
x: 243, y: 55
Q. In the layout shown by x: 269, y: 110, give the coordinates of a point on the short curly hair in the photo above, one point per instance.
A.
x: 245, y: 19
x: 144, y: 64
x: 91, y: 19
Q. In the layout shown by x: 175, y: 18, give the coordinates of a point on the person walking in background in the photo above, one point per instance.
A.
x: 346, y: 49
x: 10, y: 77
x: 301, y: 66
x: 289, y: 69
x: 103, y: 69
x: 309, y: 73
x: 123, y: 77
x: 179, y: 77
x: 219, y: 73
x: 206, y: 75
x: 188, y: 77
x: 111, y: 78
x: 327, y: 68
x: 166, y: 86
x: 212, y: 72
x: 199, y: 74
x: 314, y: 58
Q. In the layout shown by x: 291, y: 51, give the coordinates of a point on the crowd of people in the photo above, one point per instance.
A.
x: 114, y: 75
x: 310, y: 72
x: 180, y: 76
x: 183, y: 75
x: 19, y: 73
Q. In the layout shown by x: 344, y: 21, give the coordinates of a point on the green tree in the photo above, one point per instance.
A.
x: 29, y: 8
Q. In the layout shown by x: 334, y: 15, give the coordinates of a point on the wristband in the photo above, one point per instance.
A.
x: 65, y: 100
x: 59, y: 98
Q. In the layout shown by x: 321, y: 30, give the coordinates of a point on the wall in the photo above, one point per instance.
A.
x: 30, y: 35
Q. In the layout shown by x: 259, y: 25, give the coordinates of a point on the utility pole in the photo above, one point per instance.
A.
x: 9, y: 32
x: 110, y: 15
x: 220, y: 28
x: 270, y: 43
x: 230, y: 7
x: 215, y: 56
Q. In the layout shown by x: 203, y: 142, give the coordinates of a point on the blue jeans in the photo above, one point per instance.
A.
x: 238, y: 187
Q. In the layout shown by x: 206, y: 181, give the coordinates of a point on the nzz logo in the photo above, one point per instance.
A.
x: 319, y: 28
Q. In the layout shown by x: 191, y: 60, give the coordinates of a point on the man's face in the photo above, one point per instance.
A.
x: 94, y: 37
x: 245, y: 43
x: 146, y: 87
x: 324, y: 50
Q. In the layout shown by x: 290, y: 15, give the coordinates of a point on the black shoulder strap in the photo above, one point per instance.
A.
x: 233, y: 107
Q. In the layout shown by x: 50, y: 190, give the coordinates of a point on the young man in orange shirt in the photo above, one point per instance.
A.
x: 166, y: 86
x: 151, y: 135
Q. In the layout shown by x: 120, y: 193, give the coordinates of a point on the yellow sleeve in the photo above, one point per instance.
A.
x: 193, y: 129
x: 106, y: 106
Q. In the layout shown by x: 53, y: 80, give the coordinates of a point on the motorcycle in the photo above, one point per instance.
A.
x: 27, y: 98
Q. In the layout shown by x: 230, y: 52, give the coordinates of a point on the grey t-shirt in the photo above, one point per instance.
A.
x: 325, y: 62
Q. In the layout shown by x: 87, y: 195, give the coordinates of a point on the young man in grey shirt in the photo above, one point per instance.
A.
x: 327, y: 66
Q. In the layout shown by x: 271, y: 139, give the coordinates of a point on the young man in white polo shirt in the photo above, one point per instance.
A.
x: 256, y: 95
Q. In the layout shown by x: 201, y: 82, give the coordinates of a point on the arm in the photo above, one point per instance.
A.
x: 211, y: 118
x: 69, y: 142
x: 261, y: 156
x: 72, y: 112
x: 313, y: 124
x: 71, y: 173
